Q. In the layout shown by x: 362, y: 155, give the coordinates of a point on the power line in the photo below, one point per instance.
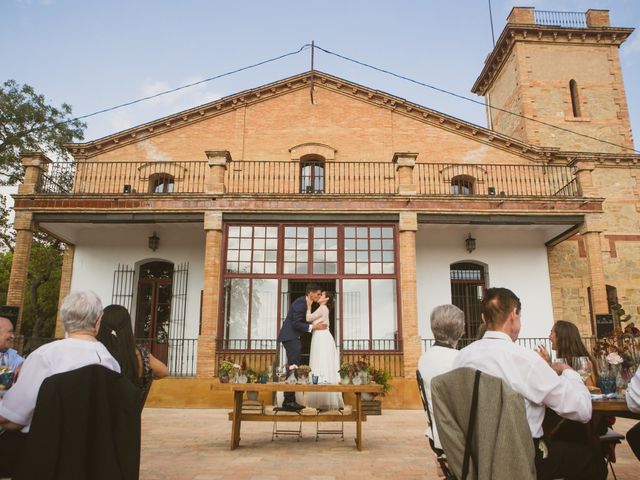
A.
x: 462, y: 97
x: 166, y: 92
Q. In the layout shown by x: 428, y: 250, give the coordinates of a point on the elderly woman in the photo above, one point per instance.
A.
x: 447, y: 325
x: 80, y: 313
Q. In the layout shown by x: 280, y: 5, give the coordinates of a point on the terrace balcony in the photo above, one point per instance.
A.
x: 267, y: 178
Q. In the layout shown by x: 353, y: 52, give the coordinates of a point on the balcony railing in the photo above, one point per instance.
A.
x: 124, y: 177
x: 498, y: 180
x: 336, y: 178
x: 286, y: 178
x: 561, y: 19
x: 261, y: 354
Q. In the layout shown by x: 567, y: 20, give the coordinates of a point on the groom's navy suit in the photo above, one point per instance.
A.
x: 294, y: 325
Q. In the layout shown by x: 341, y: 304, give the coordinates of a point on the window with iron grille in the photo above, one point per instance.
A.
x: 467, y: 289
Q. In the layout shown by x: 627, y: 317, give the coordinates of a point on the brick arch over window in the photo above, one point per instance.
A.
x: 322, y: 150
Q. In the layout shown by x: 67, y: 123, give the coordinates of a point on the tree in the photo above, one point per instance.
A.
x: 28, y: 123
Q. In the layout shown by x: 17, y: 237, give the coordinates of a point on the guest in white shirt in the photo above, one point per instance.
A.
x: 633, y: 402
x: 80, y: 313
x: 447, y: 325
x: 527, y: 373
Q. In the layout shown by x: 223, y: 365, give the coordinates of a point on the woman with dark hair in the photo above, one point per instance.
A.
x: 567, y: 343
x: 323, y: 357
x: 136, y: 363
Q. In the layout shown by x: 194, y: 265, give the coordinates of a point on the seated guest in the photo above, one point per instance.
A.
x: 525, y: 372
x: 80, y: 313
x: 447, y: 325
x: 567, y: 343
x: 9, y: 358
x: 633, y: 402
x: 136, y: 363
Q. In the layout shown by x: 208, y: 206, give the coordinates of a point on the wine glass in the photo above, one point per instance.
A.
x: 583, y: 366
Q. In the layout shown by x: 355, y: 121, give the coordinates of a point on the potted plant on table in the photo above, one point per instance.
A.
x: 346, y: 371
x: 224, y: 370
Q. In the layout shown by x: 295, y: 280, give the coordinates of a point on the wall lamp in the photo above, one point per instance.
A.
x: 470, y: 243
x: 154, y: 241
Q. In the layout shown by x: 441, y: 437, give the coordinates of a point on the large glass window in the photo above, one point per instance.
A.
x: 369, y: 250
x: 264, y: 308
x: 236, y: 307
x: 296, y: 250
x: 252, y: 249
x: 384, y: 308
x: 325, y: 250
x: 355, y: 313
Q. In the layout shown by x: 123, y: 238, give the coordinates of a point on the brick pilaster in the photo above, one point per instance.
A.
x: 210, y: 297
x: 23, y: 225
x: 408, y: 227
x: 585, y: 180
x: 522, y: 15
x: 65, y: 283
x: 35, y: 163
x: 217, y: 160
x: 591, y: 234
x: 405, y: 162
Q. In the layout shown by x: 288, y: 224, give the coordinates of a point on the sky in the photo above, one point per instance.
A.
x: 96, y: 54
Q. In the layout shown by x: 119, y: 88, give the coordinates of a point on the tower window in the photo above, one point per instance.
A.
x: 312, y: 176
x: 575, y: 99
x: 161, y: 183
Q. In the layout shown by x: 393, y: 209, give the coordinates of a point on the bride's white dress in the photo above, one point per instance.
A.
x: 324, y: 362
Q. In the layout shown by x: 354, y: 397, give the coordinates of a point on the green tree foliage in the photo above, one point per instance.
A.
x: 28, y: 123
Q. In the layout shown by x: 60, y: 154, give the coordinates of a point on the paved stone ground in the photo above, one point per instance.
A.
x: 181, y: 444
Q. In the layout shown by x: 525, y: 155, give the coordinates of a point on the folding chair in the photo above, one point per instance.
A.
x: 440, y: 455
x: 608, y: 441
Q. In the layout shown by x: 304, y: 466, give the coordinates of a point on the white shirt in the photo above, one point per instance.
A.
x: 633, y: 393
x: 528, y: 374
x: 434, y: 362
x: 55, y: 357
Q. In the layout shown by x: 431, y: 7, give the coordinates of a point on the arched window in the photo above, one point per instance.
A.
x: 161, y: 183
x: 462, y: 185
x: 312, y: 175
x: 468, y: 282
x: 575, y: 99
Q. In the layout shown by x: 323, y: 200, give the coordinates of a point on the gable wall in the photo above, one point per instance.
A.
x: 359, y: 131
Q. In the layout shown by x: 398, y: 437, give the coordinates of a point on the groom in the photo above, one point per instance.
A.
x: 295, y: 325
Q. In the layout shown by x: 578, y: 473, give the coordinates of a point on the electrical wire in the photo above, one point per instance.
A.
x: 166, y: 92
x: 462, y: 97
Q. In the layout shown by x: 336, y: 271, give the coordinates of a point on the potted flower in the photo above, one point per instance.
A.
x: 362, y: 371
x: 303, y: 373
x: 224, y: 370
x: 345, y: 371
x: 381, y: 377
x: 251, y: 378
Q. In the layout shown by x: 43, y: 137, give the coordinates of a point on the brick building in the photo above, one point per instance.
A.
x: 206, y: 224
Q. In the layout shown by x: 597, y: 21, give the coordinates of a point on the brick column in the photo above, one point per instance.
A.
x: 214, y: 180
x: 598, y: 18
x: 35, y: 163
x: 591, y: 234
x: 23, y: 225
x: 408, y: 227
x: 521, y: 15
x: 585, y: 180
x: 210, y: 296
x: 65, y: 283
x: 404, y: 165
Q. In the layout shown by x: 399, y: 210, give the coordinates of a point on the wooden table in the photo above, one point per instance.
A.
x: 240, y: 388
x: 616, y: 407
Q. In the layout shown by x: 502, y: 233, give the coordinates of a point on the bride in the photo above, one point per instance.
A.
x: 323, y: 359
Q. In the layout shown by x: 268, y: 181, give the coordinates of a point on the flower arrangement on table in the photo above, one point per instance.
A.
x: 304, y: 371
x: 617, y: 357
x: 362, y: 372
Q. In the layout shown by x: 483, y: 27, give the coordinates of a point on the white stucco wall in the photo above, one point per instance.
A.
x: 516, y: 258
x: 100, y: 248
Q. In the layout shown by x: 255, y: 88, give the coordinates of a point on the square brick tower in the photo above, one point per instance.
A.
x: 563, y: 69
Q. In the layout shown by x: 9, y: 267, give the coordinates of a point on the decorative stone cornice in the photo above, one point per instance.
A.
x: 533, y: 33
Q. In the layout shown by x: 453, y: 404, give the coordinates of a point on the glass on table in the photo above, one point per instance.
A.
x: 583, y: 366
